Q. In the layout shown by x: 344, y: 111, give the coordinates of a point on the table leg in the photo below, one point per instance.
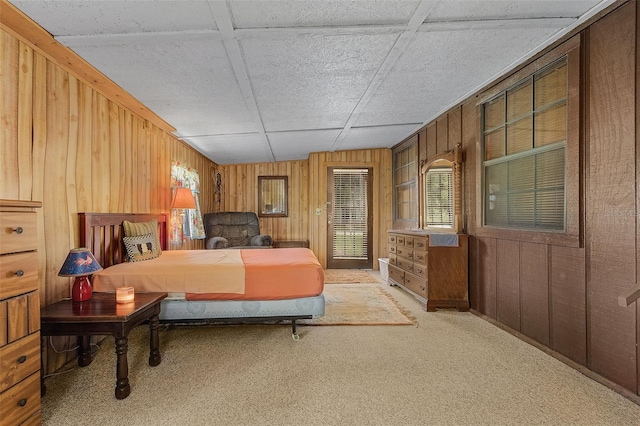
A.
x: 122, y: 370
x: 84, y: 350
x: 154, y: 343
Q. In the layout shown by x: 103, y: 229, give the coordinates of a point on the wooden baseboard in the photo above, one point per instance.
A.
x: 568, y: 361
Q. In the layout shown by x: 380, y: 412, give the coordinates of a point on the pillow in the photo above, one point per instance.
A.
x: 141, y: 247
x: 134, y: 229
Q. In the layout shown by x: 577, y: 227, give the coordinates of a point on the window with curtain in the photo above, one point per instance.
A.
x: 524, y: 153
x: 192, y: 226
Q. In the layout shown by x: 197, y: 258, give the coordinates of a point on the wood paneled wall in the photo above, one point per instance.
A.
x: 75, y: 149
x: 381, y: 162
x: 308, y: 192
x: 240, y: 193
x: 563, y: 297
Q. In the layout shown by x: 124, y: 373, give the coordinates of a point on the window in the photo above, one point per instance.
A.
x: 439, y: 190
x: 405, y: 167
x: 186, y: 222
x: 525, y: 151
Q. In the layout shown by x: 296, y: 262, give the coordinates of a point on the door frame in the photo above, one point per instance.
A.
x: 349, y: 263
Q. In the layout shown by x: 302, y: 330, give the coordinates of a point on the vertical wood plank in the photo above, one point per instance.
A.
x: 9, y: 173
x: 534, y: 291
x: 611, y: 201
x: 84, y: 150
x: 71, y: 155
x: 470, y: 147
x: 25, y: 120
x: 568, y: 303
x: 432, y: 138
x: 454, y: 130
x: 508, y: 283
x: 442, y: 135
x: 18, y: 321
x: 487, y: 276
x: 4, y: 323
x: 33, y: 300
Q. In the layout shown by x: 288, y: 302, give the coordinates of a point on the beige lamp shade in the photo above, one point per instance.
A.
x: 183, y: 199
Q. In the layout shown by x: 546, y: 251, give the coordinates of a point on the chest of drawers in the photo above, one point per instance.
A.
x: 436, y: 275
x: 19, y: 314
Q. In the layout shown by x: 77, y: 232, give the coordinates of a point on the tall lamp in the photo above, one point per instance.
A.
x: 183, y: 199
x: 80, y: 263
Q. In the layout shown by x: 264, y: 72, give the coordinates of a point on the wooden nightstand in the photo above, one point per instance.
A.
x: 291, y: 243
x: 101, y: 315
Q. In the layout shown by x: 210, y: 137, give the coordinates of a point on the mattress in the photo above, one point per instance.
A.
x: 175, y: 309
x: 259, y: 275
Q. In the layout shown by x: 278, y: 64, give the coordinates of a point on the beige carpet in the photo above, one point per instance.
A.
x: 454, y: 369
x: 347, y: 276
x: 361, y: 304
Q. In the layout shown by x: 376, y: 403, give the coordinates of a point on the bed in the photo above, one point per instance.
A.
x: 206, y: 286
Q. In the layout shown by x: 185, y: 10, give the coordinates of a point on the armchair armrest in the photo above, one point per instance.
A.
x: 262, y: 240
x: 217, y: 243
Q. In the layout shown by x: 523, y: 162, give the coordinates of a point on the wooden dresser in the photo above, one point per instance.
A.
x: 436, y: 275
x: 19, y: 314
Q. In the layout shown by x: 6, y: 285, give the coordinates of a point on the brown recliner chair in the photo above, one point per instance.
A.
x: 239, y: 230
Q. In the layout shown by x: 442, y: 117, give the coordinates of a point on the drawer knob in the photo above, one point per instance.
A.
x: 19, y: 272
x: 22, y: 402
x: 18, y: 230
x: 423, y: 288
x: 22, y: 359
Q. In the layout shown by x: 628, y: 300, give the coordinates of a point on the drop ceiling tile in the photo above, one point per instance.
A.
x: 232, y: 149
x: 318, y: 13
x: 288, y: 146
x: 439, y: 67
x: 469, y: 10
x: 187, y: 80
x: 312, y: 82
x: 73, y: 17
x: 376, y: 137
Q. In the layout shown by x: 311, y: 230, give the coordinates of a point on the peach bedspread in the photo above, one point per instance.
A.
x: 275, y: 274
x: 270, y: 274
x: 178, y: 271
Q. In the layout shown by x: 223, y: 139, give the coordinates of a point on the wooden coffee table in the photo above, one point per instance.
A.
x: 101, y: 315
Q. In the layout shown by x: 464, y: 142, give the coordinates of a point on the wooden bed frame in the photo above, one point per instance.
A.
x: 102, y: 233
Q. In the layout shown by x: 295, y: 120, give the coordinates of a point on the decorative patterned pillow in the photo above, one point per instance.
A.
x: 141, y: 247
x: 134, y: 229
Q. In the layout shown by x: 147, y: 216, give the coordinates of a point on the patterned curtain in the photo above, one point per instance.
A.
x: 186, y: 177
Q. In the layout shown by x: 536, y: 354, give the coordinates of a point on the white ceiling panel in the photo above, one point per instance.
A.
x: 432, y: 72
x: 232, y: 149
x: 295, y: 145
x: 376, y: 137
x: 307, y: 82
x: 470, y: 10
x: 273, y: 80
x: 161, y: 70
x: 320, y: 13
x: 93, y: 17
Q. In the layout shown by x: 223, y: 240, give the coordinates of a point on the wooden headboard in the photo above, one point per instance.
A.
x: 102, y: 234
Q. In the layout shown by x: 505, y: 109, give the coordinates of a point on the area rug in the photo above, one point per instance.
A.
x: 347, y: 276
x: 361, y: 304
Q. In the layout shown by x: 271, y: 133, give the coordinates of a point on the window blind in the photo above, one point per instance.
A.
x: 439, y: 198
x: 350, y: 213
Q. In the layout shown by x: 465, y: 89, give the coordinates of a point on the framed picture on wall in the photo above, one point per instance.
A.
x: 272, y: 196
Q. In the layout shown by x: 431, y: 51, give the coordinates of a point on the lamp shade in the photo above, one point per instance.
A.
x: 183, y: 199
x: 79, y: 262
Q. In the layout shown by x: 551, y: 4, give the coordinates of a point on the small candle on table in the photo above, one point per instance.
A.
x: 124, y: 295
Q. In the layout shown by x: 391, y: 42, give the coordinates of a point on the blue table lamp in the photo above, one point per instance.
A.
x: 80, y: 263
